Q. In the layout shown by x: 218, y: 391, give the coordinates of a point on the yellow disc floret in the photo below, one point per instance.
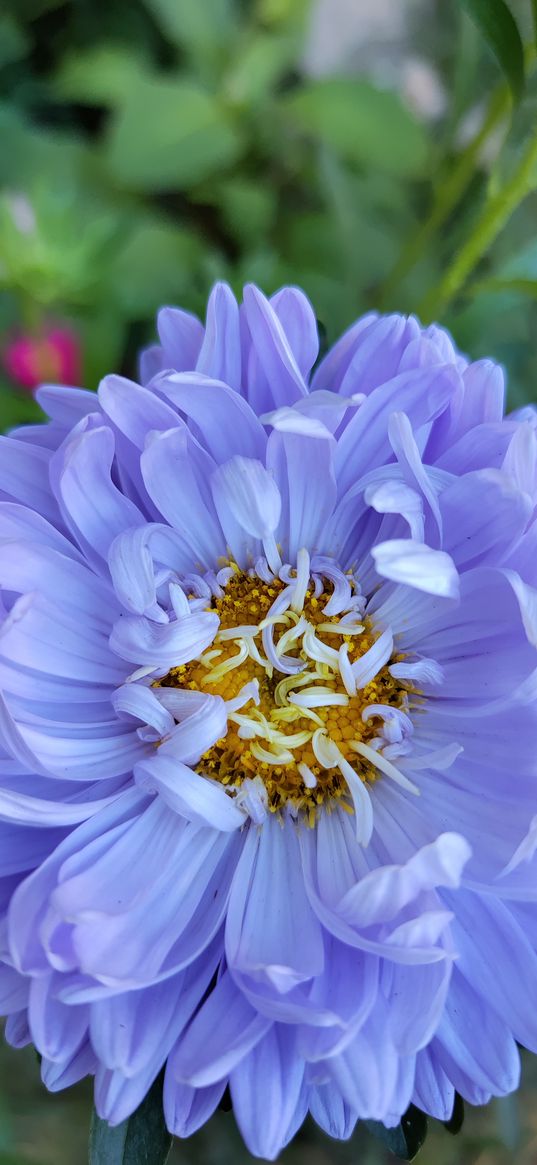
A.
x: 301, y: 717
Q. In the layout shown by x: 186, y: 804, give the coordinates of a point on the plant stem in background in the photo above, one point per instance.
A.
x: 448, y: 196
x: 496, y: 214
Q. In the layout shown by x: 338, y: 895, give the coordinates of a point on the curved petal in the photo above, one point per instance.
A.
x: 247, y: 501
x: 194, y: 797
x: 303, y: 469
x: 181, y: 336
x: 175, y: 485
x: 223, y: 420
x: 404, y: 561
x: 220, y: 352
x: 272, y: 349
x: 265, y: 1088
x: 269, y: 884
x: 94, y: 509
x: 163, y: 645
x: 222, y: 1032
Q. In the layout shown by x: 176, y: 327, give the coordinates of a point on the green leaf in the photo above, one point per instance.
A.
x: 284, y: 13
x: 518, y: 273
x: 456, y: 1120
x: 28, y: 153
x: 28, y: 10
x: 256, y: 69
x: 157, y: 264
x: 500, y: 30
x: 103, y: 75
x: 203, y: 29
x: 534, y: 14
x: 248, y: 208
x: 17, y: 408
x: 15, y: 1159
x: 407, y: 1138
x: 170, y: 135
x: 522, y: 131
x: 53, y: 247
x: 143, y: 1139
x: 103, y: 340
x: 364, y: 125
x: 14, y: 42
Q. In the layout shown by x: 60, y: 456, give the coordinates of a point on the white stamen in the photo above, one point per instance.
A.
x: 316, y: 698
x: 284, y: 686
x: 341, y: 628
x: 385, y: 766
x: 221, y: 669
x: 316, y: 649
x: 248, y: 730
x: 291, y: 636
x: 370, y: 663
x: 207, y: 658
x: 324, y: 749
x: 244, y: 631
x: 345, y: 670
x: 294, y: 740
x: 249, y: 691
x: 272, y: 553
x: 273, y: 621
x: 309, y: 778
x: 293, y: 712
x: 254, y: 654
x: 270, y: 758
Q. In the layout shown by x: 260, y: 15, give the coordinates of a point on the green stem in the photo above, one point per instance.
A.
x: 450, y: 192
x: 496, y: 214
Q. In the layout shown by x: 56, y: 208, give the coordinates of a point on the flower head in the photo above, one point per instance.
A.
x: 268, y: 776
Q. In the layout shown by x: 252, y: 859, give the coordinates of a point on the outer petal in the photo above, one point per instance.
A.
x: 223, y: 1031
x: 269, y: 884
x: 265, y: 1090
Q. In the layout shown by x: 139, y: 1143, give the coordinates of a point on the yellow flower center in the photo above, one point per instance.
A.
x: 299, y: 723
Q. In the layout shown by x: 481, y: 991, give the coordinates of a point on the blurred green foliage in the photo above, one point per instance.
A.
x: 151, y: 146
x: 39, y: 1129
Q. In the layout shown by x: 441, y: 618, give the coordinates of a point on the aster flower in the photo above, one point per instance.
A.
x: 268, y: 725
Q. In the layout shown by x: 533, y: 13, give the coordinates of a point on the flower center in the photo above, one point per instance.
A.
x: 307, y: 683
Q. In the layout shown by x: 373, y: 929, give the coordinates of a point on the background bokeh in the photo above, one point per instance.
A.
x: 149, y: 147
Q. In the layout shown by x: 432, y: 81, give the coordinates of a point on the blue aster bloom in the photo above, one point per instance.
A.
x: 268, y: 725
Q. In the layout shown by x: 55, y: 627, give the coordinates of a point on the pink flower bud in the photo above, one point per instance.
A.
x: 54, y: 356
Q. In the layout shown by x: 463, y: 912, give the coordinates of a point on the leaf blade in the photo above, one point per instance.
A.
x: 407, y: 1138
x: 188, y: 136
x: 363, y: 125
x: 498, y: 26
x: 142, y: 1139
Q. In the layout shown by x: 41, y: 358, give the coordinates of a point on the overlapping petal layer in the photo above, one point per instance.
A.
x: 367, y: 936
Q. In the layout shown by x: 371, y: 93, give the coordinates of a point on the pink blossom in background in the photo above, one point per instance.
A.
x: 53, y: 356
